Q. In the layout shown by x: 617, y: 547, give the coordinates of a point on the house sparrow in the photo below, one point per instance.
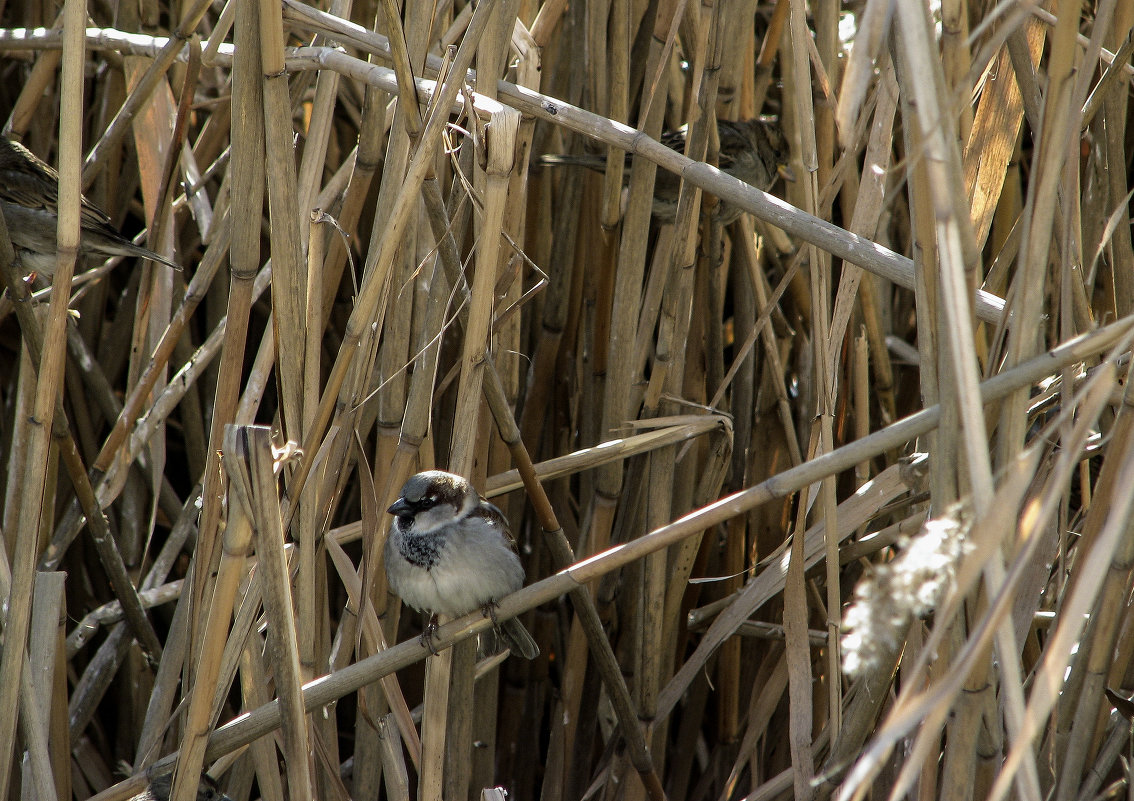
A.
x: 450, y: 551
x: 755, y: 151
x: 29, y: 200
x: 161, y: 784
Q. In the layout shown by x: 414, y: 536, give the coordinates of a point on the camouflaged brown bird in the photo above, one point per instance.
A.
x: 29, y: 200
x: 755, y: 151
x: 160, y: 785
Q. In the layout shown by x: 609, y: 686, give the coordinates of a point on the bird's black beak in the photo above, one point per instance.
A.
x: 400, y: 507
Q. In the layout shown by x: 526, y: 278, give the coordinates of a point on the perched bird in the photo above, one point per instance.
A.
x: 755, y: 151
x: 450, y: 551
x: 160, y: 785
x: 29, y: 200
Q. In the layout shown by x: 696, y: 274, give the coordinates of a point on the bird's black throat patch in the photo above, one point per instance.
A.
x: 422, y: 550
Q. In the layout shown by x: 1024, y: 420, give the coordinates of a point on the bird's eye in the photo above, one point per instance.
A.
x: 429, y: 501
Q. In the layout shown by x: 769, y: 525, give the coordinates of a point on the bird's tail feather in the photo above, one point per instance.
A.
x: 518, y: 639
x: 146, y: 253
x: 593, y: 162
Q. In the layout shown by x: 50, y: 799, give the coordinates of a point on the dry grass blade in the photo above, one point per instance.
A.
x: 249, y: 454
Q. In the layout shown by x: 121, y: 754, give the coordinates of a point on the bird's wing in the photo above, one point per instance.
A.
x: 32, y: 182
x: 28, y: 181
x: 491, y: 514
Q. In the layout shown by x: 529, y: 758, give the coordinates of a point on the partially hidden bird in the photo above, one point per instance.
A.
x: 449, y: 552
x: 29, y: 200
x: 755, y: 151
x: 161, y: 783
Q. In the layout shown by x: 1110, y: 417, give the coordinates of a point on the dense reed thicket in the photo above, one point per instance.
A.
x: 832, y: 498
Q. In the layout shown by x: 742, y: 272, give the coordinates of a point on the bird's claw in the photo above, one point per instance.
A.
x: 489, y: 610
x: 427, y: 635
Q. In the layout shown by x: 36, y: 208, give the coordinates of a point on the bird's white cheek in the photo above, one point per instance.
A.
x: 433, y: 519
